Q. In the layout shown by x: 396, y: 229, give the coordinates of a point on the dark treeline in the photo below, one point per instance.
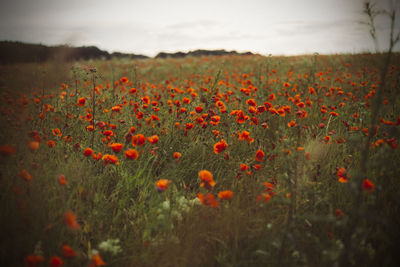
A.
x: 200, y: 52
x: 18, y: 52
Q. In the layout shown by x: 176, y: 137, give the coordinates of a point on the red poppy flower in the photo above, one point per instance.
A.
x: 220, y: 146
x: 131, y: 154
x: 116, y: 147
x: 225, y: 194
x: 260, y: 155
x: 138, y: 140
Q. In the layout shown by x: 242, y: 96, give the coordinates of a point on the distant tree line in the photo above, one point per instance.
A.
x: 18, y: 52
x: 200, y: 52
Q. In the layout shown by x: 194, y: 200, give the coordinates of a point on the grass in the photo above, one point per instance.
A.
x: 302, y: 220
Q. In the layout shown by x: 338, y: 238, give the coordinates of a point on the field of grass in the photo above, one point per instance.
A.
x: 209, y: 161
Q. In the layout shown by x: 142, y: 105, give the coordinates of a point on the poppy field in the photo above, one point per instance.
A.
x: 201, y: 161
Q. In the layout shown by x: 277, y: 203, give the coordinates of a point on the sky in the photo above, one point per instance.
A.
x: 277, y: 27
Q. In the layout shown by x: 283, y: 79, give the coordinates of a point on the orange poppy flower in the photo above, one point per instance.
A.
x: 177, y: 155
x: 138, y: 140
x: 68, y: 252
x: 342, y: 175
x: 88, y: 152
x: 292, y: 124
x: 97, y: 157
x: 163, y: 184
x: 97, y: 261
x: 257, y: 167
x: 55, y: 261
x: 225, y: 194
x: 207, y: 180
x: 116, y: 109
x: 244, y: 167
x: 220, y: 146
x: 268, y: 186
x: 33, y: 260
x: 116, y: 147
x: 264, y: 196
x: 70, y: 220
x: 208, y: 200
x: 327, y: 139
x: 26, y: 175
x: 62, y: 180
x: 110, y: 159
x: 51, y: 143
x: 7, y: 150
x: 245, y: 136
x: 33, y: 145
x: 81, y: 101
x: 153, y: 139
x: 260, y: 155
x: 57, y: 132
x: 131, y: 154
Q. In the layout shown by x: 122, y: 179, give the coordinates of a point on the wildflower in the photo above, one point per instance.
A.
x: 207, y: 180
x: 116, y: 108
x: 220, y: 146
x: 257, y: 167
x: 116, y: 147
x: 81, y: 101
x: 327, y: 139
x: 111, y: 245
x: 70, y: 220
x: 264, y: 196
x: 177, y: 155
x: 33, y: 260
x: 131, y: 154
x: 62, y: 180
x: 189, y: 126
x: 225, y: 194
x: 260, y: 155
x: 108, y: 133
x: 51, y: 143
x: 268, y: 186
x: 291, y: 124
x: 26, y: 175
x: 90, y: 128
x: 368, y: 185
x: 245, y: 136
x: 138, y: 140
x: 243, y: 167
x: 57, y: 132
x: 301, y: 114
x: 68, y: 252
x: 162, y: 185
x: 110, y: 159
x: 88, y: 152
x: 55, y: 261
x: 198, y: 109
x: 97, y: 261
x: 33, y: 145
x: 342, y: 175
x: 7, y: 150
x: 208, y: 200
x: 153, y: 139
x: 339, y: 214
x: 97, y: 157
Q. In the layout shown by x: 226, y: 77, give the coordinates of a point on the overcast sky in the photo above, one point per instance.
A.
x: 147, y: 27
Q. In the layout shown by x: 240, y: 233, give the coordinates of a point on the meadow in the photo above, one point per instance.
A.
x: 201, y: 161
